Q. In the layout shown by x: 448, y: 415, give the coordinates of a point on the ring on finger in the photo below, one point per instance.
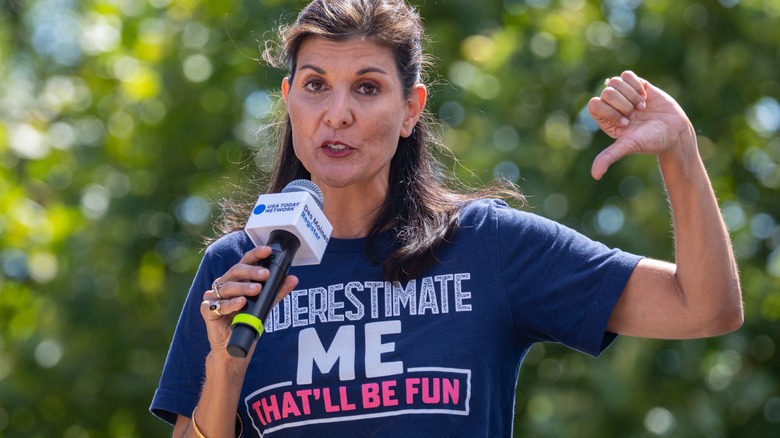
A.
x: 216, y: 286
x: 216, y: 307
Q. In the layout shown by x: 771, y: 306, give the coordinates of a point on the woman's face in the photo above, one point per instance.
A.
x: 347, y: 109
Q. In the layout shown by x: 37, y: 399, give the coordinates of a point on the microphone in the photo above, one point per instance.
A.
x: 293, y: 225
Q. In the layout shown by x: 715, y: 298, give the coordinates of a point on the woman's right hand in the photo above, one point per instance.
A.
x: 240, y: 281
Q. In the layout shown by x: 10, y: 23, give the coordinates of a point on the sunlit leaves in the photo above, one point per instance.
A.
x: 122, y: 121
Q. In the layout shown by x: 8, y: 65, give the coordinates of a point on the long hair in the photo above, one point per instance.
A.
x: 421, y: 208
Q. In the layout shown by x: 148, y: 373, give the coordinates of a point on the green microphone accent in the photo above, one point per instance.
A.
x: 250, y: 320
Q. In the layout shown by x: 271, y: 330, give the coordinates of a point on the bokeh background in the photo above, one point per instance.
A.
x: 123, y: 122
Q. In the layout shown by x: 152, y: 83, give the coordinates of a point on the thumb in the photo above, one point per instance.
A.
x: 607, y: 157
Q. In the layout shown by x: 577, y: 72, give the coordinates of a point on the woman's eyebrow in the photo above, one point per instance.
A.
x: 312, y: 67
x: 371, y: 70
x: 359, y: 72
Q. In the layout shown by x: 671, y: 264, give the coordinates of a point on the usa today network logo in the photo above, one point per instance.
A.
x: 280, y: 207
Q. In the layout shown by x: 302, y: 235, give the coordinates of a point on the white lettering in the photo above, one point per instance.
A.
x: 405, y: 296
x: 426, y: 296
x: 297, y: 309
x: 375, y: 348
x: 278, y: 322
x: 333, y: 304
x: 311, y: 351
x: 374, y: 286
x: 443, y: 280
x: 320, y: 311
x: 460, y: 294
x: 360, y: 309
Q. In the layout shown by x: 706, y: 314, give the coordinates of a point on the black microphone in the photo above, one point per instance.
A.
x: 293, y: 225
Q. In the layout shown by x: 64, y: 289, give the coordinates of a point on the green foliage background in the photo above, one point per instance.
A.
x: 122, y: 122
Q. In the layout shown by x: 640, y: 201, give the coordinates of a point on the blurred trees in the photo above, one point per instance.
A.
x: 124, y: 121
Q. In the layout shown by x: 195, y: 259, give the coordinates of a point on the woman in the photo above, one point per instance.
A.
x: 426, y: 301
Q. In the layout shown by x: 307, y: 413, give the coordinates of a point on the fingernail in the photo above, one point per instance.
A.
x: 642, y: 105
x: 254, y: 286
x: 262, y: 271
x: 624, y: 121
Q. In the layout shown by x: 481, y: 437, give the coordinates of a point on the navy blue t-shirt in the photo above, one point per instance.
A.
x: 351, y: 354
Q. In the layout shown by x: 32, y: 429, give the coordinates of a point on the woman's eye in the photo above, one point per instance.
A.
x: 314, y: 85
x: 369, y: 89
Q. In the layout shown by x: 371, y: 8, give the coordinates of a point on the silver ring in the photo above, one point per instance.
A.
x: 215, y: 286
x: 215, y: 307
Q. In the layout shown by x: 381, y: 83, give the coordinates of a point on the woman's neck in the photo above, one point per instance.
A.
x: 351, y: 212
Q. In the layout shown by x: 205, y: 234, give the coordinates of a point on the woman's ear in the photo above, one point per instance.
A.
x: 414, y: 108
x: 285, y: 89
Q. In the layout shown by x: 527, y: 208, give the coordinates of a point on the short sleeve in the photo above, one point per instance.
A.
x: 183, y: 373
x: 561, y: 285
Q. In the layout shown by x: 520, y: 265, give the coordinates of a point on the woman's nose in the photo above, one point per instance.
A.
x: 339, y: 114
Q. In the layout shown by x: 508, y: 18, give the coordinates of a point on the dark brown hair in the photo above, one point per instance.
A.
x: 422, y: 207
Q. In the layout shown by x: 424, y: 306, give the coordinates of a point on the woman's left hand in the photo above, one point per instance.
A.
x: 242, y: 280
x: 643, y: 119
x: 699, y: 294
